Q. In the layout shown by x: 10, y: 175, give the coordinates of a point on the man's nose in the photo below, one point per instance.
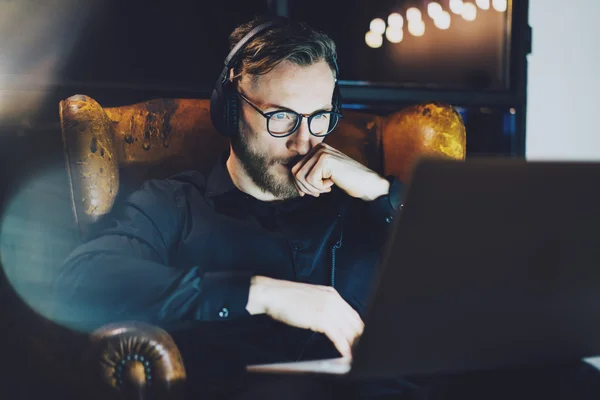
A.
x: 300, y: 141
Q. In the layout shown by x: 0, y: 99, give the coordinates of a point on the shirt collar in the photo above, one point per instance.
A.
x: 219, y: 180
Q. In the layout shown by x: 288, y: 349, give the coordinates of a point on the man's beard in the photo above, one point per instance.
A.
x: 259, y: 167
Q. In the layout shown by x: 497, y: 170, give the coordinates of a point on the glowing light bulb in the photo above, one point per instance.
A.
x: 434, y: 10
x: 469, y: 12
x: 416, y: 28
x: 413, y: 14
x: 456, y: 6
x: 500, y: 5
x: 443, y: 21
x: 396, y: 20
x: 377, y: 26
x: 483, y: 4
x: 394, y: 34
x: 373, y: 39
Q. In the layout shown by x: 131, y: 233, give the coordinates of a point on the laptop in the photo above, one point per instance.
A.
x: 492, y: 263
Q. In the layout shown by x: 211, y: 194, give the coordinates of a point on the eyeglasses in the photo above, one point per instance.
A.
x: 283, y: 123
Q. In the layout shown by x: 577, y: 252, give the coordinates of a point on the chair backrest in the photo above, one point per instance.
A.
x: 109, y: 149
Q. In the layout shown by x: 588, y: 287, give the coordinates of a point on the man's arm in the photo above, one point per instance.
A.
x: 125, y: 272
x: 325, y: 166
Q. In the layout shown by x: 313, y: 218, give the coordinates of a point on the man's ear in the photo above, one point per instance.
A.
x: 231, y: 74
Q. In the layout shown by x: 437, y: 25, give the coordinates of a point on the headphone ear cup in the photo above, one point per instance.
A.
x: 217, y: 111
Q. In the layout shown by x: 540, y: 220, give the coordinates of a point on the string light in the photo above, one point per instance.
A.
x: 395, y: 20
x: 456, y: 6
x: 373, y: 39
x: 416, y: 28
x: 500, y: 5
x: 469, y: 12
x: 394, y: 34
x: 443, y: 21
x: 413, y: 14
x: 483, y: 4
x: 434, y: 10
x: 377, y: 26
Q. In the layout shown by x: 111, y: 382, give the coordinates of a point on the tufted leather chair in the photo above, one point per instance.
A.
x: 111, y: 151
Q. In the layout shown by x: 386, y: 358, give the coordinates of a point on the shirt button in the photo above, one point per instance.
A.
x: 388, y: 220
x: 297, y: 246
x: 224, y: 313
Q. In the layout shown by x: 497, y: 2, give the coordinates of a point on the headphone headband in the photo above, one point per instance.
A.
x: 248, y: 37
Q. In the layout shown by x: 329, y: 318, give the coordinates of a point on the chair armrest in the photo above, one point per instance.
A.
x: 137, y: 360
x: 91, y: 157
x: 421, y: 130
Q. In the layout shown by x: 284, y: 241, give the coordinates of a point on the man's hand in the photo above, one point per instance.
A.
x: 325, y: 166
x: 318, y: 308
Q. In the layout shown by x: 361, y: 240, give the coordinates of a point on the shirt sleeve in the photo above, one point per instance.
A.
x: 367, y: 225
x: 125, y: 271
x: 384, y: 209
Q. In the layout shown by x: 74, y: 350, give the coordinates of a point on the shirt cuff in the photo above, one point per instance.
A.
x: 386, y: 207
x: 224, y: 295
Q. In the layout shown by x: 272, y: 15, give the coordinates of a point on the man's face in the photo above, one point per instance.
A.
x: 267, y: 159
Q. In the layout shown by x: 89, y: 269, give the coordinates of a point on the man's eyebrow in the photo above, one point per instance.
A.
x: 327, y: 107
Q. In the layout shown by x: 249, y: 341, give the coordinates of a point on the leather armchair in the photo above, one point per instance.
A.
x: 111, y: 151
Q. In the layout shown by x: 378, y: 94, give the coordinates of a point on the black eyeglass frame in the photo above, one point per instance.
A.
x: 309, y: 117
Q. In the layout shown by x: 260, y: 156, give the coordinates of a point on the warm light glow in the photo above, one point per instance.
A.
x: 373, y: 39
x: 396, y: 20
x: 434, y: 10
x: 394, y: 34
x: 456, y: 6
x: 513, y: 111
x: 443, y: 21
x: 413, y: 14
x: 469, y: 12
x: 377, y: 26
x: 416, y: 28
x: 500, y: 5
x: 483, y: 4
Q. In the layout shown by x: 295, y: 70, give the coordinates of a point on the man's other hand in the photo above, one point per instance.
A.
x: 325, y: 166
x: 318, y: 308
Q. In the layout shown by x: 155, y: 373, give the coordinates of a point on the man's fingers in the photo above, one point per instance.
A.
x: 349, y: 331
x: 339, y: 340
x: 302, y: 174
x: 315, y: 176
x: 305, y: 159
x: 304, y: 187
x: 355, y: 319
x: 300, y: 191
x: 356, y: 326
x: 346, y: 320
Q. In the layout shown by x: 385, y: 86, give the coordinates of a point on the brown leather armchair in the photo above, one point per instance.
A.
x: 108, y: 150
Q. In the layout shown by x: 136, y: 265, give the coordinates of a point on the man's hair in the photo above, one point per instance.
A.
x: 293, y: 41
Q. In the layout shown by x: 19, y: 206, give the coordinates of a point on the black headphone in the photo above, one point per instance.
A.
x: 224, y: 101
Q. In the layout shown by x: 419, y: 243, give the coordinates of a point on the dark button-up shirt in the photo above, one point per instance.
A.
x: 182, y: 251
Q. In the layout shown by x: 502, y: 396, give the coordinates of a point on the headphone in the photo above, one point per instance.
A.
x: 224, y: 102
